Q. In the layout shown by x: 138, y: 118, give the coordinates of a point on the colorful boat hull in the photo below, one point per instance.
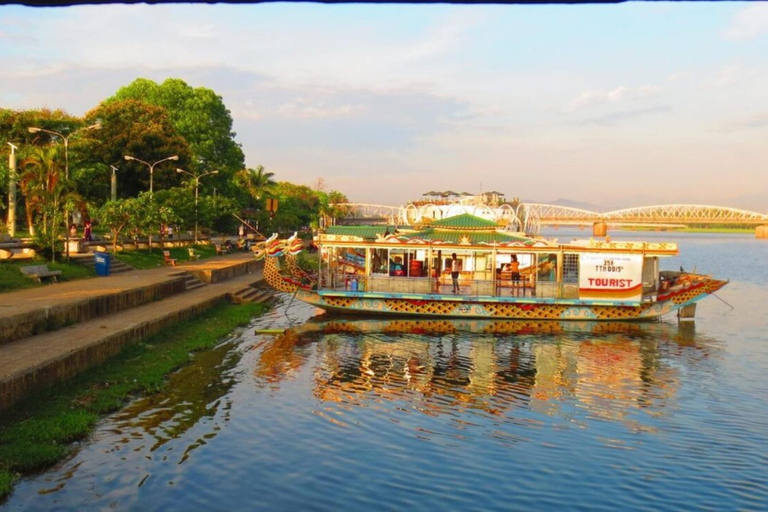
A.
x: 502, y: 308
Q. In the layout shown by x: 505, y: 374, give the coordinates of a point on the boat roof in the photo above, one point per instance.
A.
x: 343, y: 233
x: 471, y: 231
x: 464, y: 229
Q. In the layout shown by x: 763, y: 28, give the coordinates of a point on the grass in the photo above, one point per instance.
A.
x: 36, y: 433
x: 12, y: 279
x: 144, y: 258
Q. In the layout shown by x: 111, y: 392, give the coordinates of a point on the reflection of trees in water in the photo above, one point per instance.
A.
x: 193, y: 393
x: 608, y: 368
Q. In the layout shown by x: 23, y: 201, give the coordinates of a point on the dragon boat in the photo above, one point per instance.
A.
x: 383, y: 270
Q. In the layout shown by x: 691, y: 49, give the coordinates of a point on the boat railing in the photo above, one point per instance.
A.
x: 336, y: 281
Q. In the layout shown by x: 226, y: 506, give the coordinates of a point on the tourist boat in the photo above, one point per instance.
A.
x: 383, y: 270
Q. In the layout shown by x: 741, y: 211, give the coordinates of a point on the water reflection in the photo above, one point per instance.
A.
x: 610, y: 369
x: 194, y: 393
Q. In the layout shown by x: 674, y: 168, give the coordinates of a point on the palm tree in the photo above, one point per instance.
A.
x: 256, y: 181
x: 46, y: 191
x: 41, y: 174
x: 331, y: 208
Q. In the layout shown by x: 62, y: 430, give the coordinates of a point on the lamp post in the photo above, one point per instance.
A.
x: 12, y: 191
x: 113, y: 182
x: 151, y: 166
x: 65, y: 138
x: 197, y: 186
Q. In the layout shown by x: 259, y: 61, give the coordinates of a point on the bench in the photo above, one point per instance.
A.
x: 193, y: 256
x: 17, y: 253
x: 39, y: 272
x: 220, y: 251
x: 167, y: 260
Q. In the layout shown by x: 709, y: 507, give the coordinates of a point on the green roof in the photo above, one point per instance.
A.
x: 465, y: 221
x: 475, y: 237
x: 365, y: 232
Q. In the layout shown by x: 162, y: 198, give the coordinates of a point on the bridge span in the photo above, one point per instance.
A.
x: 530, y: 216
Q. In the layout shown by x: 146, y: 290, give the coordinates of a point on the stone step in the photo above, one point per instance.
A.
x: 251, y: 294
x: 88, y: 260
x: 190, y: 281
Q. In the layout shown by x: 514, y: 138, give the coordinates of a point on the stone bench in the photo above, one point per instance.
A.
x: 17, y: 253
x: 40, y: 272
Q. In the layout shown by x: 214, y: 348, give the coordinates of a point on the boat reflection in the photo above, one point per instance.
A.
x: 608, y: 368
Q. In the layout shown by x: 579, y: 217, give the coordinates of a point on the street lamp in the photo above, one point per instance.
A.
x: 65, y: 138
x: 113, y: 182
x: 151, y: 166
x: 197, y: 185
x: 12, y: 191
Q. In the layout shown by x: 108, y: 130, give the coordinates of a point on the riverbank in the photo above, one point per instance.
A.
x: 39, y: 431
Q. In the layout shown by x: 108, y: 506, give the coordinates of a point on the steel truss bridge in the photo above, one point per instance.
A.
x: 529, y: 216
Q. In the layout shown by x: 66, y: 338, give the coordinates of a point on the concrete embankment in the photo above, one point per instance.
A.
x: 106, y: 314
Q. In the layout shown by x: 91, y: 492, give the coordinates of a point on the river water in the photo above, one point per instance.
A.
x: 453, y: 416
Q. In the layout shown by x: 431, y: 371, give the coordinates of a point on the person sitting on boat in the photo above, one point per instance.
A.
x: 514, y: 267
x: 455, y: 273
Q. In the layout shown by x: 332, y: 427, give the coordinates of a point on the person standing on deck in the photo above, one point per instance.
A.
x: 455, y: 273
x: 514, y: 267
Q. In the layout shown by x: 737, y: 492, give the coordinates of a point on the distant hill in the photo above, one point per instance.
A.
x: 570, y: 204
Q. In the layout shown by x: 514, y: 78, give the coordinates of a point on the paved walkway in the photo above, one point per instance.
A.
x: 49, y: 295
x: 22, y: 359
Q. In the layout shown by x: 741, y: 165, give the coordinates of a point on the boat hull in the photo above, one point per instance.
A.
x: 485, y: 307
x: 691, y: 288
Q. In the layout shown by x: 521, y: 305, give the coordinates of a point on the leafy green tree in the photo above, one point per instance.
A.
x: 201, y: 117
x: 211, y: 210
x: 132, y: 128
x: 117, y: 216
x: 299, y: 207
x: 47, y: 193
x: 14, y: 128
x: 330, y: 208
x: 256, y: 182
x: 139, y: 216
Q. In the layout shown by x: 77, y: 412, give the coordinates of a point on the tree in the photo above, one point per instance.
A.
x: 299, y: 207
x: 256, y: 182
x: 133, y: 128
x: 330, y: 208
x: 210, y: 210
x: 14, y: 128
x: 139, y: 216
x: 200, y: 116
x: 117, y: 216
x: 47, y: 193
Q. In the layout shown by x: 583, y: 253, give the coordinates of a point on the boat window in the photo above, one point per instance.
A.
x: 352, y: 261
x: 571, y: 268
x: 379, y: 265
x: 547, y: 267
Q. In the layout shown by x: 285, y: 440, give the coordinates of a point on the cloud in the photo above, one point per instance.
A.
x: 303, y: 108
x: 748, y: 23
x: 759, y: 120
x: 618, y: 117
x: 618, y: 95
x: 739, y: 75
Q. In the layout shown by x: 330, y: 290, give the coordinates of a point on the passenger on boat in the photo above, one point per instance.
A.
x: 514, y: 267
x: 455, y: 273
x: 396, y: 269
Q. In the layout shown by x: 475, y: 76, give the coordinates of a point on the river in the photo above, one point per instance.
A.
x: 453, y: 415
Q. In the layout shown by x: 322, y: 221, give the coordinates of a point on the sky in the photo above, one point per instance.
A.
x: 617, y: 106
